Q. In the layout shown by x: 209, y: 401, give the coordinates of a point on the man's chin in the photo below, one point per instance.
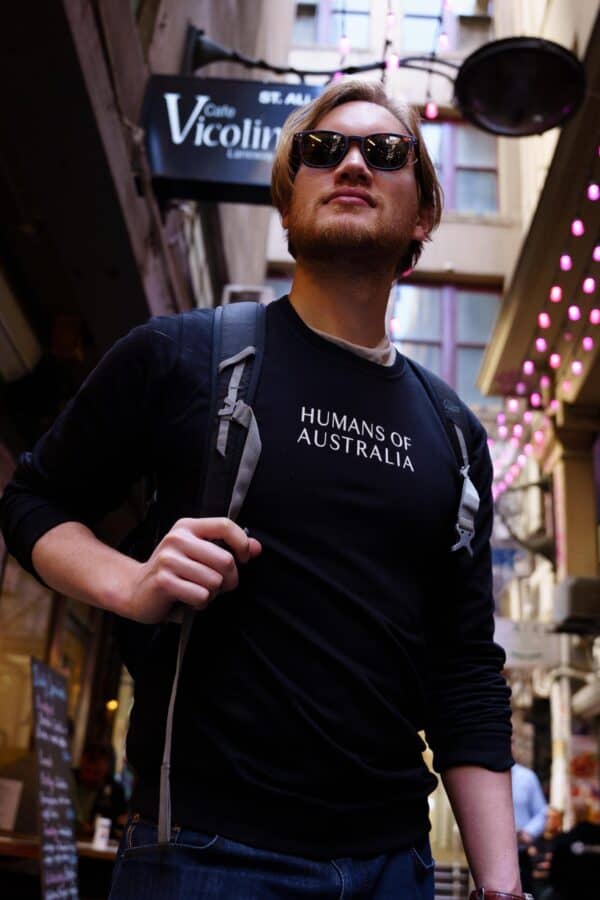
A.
x: 349, y: 239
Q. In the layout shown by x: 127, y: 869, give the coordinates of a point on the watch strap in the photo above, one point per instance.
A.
x: 484, y: 894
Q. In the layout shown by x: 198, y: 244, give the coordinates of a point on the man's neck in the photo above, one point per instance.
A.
x: 342, y: 303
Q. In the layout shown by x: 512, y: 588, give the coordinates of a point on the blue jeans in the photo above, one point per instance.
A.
x: 198, y: 865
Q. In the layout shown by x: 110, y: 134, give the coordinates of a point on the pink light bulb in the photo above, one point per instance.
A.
x: 566, y: 386
x: 576, y: 367
x: 528, y: 449
x: 538, y: 436
x: 509, y: 478
x: 595, y: 316
x: 587, y: 343
x: 344, y: 45
x: 528, y: 417
x: 593, y: 191
x: 513, y: 404
x: 528, y: 367
x: 444, y: 41
x: 514, y: 442
x: 391, y: 19
x: 574, y: 313
x: 431, y: 110
x: 515, y: 470
x: 392, y: 62
x: 554, y: 360
x: 544, y: 382
x: 521, y: 388
x: 556, y: 293
x: 577, y: 228
x: 501, y: 418
x: 337, y: 76
x: 490, y: 442
x: 503, y: 432
x: 535, y: 399
x: 554, y: 405
x: 589, y: 285
x: 566, y: 263
x: 544, y: 320
x: 540, y: 345
x: 522, y: 460
x: 596, y: 253
x: 518, y: 430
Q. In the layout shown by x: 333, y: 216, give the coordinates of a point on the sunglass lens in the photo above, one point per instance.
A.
x: 322, y: 148
x: 387, y: 151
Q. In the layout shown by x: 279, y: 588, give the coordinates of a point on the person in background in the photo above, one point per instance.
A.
x: 529, y: 806
x: 575, y: 867
x: 97, y: 791
x: 540, y: 853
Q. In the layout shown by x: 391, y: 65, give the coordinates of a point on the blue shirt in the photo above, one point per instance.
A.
x: 528, y: 801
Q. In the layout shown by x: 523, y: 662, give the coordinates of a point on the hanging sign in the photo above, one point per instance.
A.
x: 214, y: 139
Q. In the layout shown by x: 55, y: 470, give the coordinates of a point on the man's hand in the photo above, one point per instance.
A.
x: 188, y: 566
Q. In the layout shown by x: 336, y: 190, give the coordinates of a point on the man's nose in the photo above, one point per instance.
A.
x: 353, y: 163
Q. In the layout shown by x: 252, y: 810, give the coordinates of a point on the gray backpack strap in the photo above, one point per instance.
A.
x: 232, y: 453
x: 453, y: 416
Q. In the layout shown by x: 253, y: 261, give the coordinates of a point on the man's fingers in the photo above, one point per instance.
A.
x: 222, y: 529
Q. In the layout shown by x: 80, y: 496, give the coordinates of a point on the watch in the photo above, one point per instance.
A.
x: 484, y: 894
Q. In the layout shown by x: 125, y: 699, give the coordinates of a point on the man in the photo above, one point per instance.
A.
x: 530, y: 816
x: 575, y: 867
x: 344, y: 625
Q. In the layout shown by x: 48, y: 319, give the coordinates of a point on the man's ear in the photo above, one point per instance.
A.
x: 423, y: 225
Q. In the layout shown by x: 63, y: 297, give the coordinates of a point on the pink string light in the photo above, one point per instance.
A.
x: 528, y: 367
x: 431, y: 110
x: 596, y: 253
x: 595, y: 316
x: 566, y: 263
x: 593, y: 191
x: 518, y: 430
x: 545, y: 382
x: 528, y: 449
x: 522, y: 460
x: 577, y: 228
x: 344, y: 45
x: 501, y: 418
x: 521, y: 388
x: 566, y: 386
x: 556, y: 293
x: 589, y: 285
x: 528, y: 417
x: 535, y: 399
x: 554, y: 405
x: 574, y: 313
x: 587, y: 343
x: 392, y: 62
x: 538, y: 436
x: 544, y: 320
x: 554, y: 360
x: 503, y: 432
x: 444, y: 41
x: 513, y: 404
x: 514, y: 442
x: 576, y: 367
x: 540, y: 345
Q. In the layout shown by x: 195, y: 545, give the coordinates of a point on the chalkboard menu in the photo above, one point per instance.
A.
x: 58, y: 852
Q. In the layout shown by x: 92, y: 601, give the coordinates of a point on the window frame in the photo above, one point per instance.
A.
x: 450, y: 166
x: 325, y: 11
x: 448, y: 342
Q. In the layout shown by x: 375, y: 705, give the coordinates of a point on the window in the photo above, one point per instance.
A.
x: 325, y: 21
x: 421, y: 25
x: 446, y: 329
x: 465, y: 160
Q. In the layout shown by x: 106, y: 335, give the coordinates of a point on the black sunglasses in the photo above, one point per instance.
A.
x: 325, y: 149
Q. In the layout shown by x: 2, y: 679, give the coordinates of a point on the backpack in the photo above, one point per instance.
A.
x: 232, y: 452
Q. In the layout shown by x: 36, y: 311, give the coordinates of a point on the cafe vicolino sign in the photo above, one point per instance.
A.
x: 214, y: 139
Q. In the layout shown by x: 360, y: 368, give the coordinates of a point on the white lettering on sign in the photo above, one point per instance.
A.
x: 179, y: 134
x: 278, y: 98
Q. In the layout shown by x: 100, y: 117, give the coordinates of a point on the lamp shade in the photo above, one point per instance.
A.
x: 519, y: 86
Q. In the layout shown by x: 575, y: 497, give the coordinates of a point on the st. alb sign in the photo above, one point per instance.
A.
x: 214, y: 139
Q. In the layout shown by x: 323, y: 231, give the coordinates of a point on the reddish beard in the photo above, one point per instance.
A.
x: 347, y: 238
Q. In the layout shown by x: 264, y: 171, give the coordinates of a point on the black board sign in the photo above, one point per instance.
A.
x: 58, y: 851
x: 214, y: 138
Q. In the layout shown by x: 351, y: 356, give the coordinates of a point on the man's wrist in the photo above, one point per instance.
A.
x: 485, y: 894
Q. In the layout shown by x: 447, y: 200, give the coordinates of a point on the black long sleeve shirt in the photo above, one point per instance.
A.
x: 302, y: 692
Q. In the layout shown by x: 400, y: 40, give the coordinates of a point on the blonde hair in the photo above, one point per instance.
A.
x: 307, y: 117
